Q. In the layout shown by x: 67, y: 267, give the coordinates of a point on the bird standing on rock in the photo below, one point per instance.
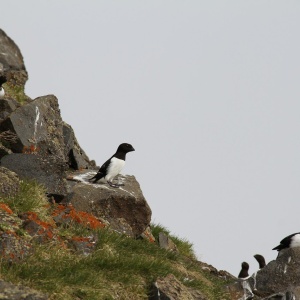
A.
x: 261, y: 260
x: 244, y: 271
x: 2, y: 92
x: 113, y: 166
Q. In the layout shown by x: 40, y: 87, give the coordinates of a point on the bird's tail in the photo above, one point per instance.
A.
x: 97, y: 177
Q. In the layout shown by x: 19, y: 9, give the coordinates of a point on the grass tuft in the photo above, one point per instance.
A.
x: 30, y: 198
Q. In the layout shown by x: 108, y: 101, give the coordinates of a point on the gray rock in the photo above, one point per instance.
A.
x: 166, y: 243
x: 124, y: 208
x: 38, y: 126
x: 11, y: 59
x: 18, y: 292
x: 47, y: 171
x: 9, y: 182
x: 170, y: 288
x: 280, y: 274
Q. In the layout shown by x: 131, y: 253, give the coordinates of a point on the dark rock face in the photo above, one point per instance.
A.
x: 124, y: 208
x: 7, y: 107
x: 76, y: 157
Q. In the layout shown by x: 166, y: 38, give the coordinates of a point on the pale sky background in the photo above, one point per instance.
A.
x: 208, y: 93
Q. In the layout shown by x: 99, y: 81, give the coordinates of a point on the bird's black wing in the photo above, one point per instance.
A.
x: 102, y: 171
x: 2, y: 80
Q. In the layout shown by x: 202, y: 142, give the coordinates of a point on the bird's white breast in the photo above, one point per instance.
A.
x: 2, y: 92
x: 114, y: 168
x: 295, y: 241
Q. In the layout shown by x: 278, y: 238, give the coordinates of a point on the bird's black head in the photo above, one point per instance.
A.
x: 245, y: 266
x: 2, y: 80
x: 261, y: 260
x: 125, y: 148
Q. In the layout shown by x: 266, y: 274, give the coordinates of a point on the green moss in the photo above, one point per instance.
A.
x: 16, y: 92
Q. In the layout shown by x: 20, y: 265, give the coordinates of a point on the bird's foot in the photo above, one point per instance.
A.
x: 115, y: 185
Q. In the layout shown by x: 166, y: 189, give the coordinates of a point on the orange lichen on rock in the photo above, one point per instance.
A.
x: 81, y: 217
x: 6, y: 208
x: 34, y: 217
x: 38, y: 228
x: 32, y: 149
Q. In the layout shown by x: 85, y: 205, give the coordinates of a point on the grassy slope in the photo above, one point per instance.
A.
x: 119, y: 268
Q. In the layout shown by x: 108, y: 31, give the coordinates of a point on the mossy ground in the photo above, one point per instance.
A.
x: 118, y: 268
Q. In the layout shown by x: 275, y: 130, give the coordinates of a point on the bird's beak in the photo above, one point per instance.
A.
x: 133, y: 149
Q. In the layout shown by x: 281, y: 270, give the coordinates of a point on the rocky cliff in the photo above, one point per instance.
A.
x: 47, y: 202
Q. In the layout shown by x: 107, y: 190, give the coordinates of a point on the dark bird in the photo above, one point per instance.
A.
x: 244, y: 271
x: 2, y: 92
x: 290, y: 241
x: 113, y: 166
x: 261, y: 260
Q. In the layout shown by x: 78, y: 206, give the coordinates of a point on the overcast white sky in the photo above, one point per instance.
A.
x: 206, y: 91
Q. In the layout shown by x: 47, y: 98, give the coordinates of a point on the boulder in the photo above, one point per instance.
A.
x: 47, y: 171
x: 124, y: 208
x: 38, y: 126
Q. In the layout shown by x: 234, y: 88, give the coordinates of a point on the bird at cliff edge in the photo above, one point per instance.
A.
x: 244, y: 271
x: 113, y: 166
x: 2, y: 92
x: 290, y: 241
x: 261, y: 260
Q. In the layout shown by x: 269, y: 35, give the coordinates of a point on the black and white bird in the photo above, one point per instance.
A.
x: 2, y: 92
x: 290, y: 241
x: 261, y: 260
x: 244, y: 271
x: 113, y: 166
